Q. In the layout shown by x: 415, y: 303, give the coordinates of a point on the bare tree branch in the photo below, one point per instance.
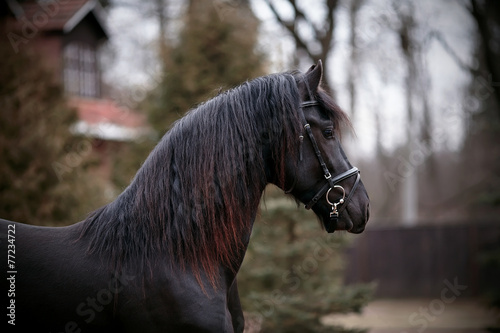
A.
x: 291, y: 27
x: 491, y: 58
x: 437, y: 35
x: 322, y: 35
x: 353, y: 61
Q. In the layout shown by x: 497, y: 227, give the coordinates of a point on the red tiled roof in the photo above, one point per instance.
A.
x: 95, y: 111
x: 59, y: 15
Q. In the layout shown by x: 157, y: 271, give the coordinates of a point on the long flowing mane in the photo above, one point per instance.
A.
x: 195, y: 196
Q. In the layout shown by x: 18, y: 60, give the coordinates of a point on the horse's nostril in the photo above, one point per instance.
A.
x: 367, y: 212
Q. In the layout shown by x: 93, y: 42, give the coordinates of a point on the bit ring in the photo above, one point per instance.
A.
x: 341, y: 201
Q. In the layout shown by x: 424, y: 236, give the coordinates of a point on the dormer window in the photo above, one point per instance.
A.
x: 81, y: 77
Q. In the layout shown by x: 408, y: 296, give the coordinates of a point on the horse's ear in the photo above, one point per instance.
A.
x: 313, y: 75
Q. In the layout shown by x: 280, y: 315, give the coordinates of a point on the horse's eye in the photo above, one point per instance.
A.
x: 328, y: 133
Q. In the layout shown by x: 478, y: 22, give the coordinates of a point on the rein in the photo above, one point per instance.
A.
x: 331, y: 182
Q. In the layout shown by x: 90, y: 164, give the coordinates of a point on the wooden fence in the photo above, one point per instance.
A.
x: 422, y: 261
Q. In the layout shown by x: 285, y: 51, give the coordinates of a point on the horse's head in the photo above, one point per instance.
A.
x: 323, y: 178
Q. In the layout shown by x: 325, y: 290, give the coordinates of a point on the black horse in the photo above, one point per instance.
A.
x: 163, y: 257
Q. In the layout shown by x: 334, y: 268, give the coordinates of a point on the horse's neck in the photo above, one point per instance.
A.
x: 238, y: 256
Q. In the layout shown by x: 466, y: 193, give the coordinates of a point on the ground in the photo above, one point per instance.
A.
x: 420, y: 315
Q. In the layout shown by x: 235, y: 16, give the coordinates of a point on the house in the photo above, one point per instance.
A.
x: 68, y: 35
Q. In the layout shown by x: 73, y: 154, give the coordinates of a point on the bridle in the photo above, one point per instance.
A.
x: 331, y: 181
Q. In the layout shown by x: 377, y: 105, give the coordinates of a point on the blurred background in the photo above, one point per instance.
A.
x: 88, y: 87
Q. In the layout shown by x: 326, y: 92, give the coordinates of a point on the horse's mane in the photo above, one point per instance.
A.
x: 195, y: 196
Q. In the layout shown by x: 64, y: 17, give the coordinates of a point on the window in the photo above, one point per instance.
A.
x: 80, y: 70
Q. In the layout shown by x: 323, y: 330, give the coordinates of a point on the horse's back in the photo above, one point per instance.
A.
x: 53, y: 284
x: 48, y: 277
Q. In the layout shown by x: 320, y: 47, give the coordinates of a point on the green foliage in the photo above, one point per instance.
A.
x: 292, y: 274
x: 42, y: 178
x: 128, y: 159
x: 216, y: 46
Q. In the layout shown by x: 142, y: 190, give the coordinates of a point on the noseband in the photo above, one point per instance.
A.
x: 331, y: 181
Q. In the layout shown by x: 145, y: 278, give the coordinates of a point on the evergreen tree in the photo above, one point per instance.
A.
x: 42, y: 166
x: 292, y: 274
x: 217, y: 46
